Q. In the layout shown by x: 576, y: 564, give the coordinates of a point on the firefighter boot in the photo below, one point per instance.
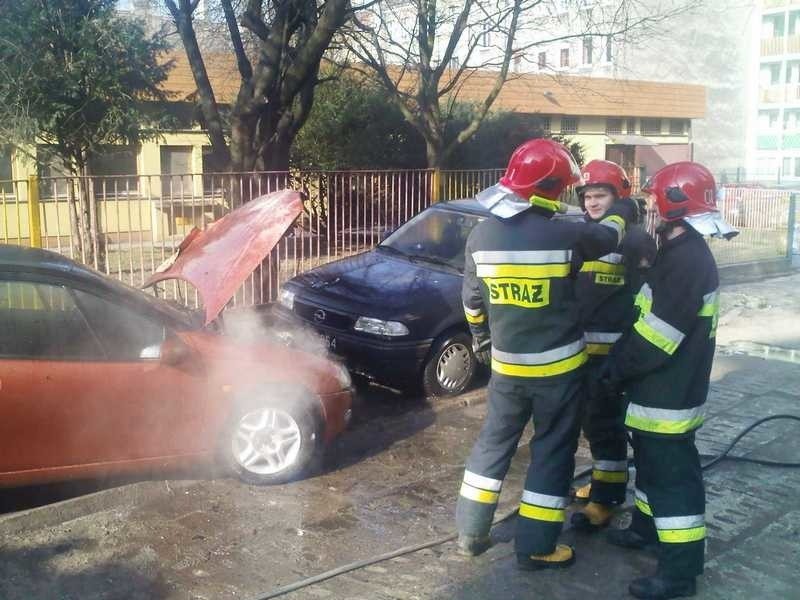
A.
x: 659, y: 587
x: 628, y: 538
x: 582, y: 493
x: 592, y: 517
x: 472, y: 545
x: 563, y: 556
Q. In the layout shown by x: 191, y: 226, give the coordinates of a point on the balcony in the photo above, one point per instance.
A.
x: 793, y: 44
x: 773, y: 94
x: 770, y: 4
x: 791, y: 141
x: 773, y: 46
x: 767, y: 142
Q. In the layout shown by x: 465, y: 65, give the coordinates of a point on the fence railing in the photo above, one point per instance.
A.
x: 142, y: 219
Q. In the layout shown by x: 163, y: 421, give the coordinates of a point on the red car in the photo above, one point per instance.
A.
x: 99, y: 378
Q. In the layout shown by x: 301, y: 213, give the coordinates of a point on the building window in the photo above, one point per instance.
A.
x: 176, y: 169
x: 791, y: 119
x: 6, y: 172
x: 772, y: 26
x: 587, y: 50
x: 542, y: 60
x: 545, y: 123
x: 569, y: 125
x: 651, y: 126
x: 609, y: 48
x: 108, y: 167
x: 677, y: 126
x: 565, y: 57
x: 797, y: 167
x: 485, y: 37
x: 630, y: 126
x: 54, y: 178
x: 613, y: 126
x: 793, y: 71
x: 517, y: 63
x: 794, y: 22
x: 768, y: 119
x: 770, y: 74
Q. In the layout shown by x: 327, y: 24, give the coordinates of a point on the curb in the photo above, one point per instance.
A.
x: 120, y: 497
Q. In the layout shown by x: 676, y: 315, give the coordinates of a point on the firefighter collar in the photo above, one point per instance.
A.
x: 711, y: 224
x: 502, y: 202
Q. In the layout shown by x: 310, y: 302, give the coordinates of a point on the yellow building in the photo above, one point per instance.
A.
x: 155, y: 190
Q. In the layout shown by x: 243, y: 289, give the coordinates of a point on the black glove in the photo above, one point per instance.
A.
x: 606, y: 384
x: 625, y: 208
x: 482, y: 348
x: 638, y: 248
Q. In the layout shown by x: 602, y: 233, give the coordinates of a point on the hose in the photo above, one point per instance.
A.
x: 354, y: 566
x: 767, y: 463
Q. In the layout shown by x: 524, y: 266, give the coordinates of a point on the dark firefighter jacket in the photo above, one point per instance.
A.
x: 519, y: 286
x: 605, y: 290
x: 665, y: 360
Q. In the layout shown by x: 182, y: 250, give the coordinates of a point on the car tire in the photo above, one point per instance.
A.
x: 274, y: 436
x: 450, y: 367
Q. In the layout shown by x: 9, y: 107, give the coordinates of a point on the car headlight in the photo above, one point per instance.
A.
x: 343, y: 375
x: 380, y: 327
x: 286, y: 298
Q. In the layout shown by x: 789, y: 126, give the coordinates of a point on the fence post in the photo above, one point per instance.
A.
x: 436, y: 185
x: 792, y: 220
x: 34, y: 219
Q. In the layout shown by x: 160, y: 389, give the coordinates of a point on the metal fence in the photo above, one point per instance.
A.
x: 142, y: 219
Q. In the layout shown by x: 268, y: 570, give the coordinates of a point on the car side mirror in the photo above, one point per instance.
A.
x: 174, y: 351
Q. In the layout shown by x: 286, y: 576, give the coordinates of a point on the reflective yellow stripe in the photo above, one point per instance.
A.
x: 643, y: 507
x: 610, y: 476
x: 598, y: 349
x: 682, y: 536
x: 659, y: 426
x: 596, y: 266
x: 644, y: 299
x: 529, y: 511
x: 475, y: 320
x: 555, y: 368
x: 658, y: 339
x: 546, y: 203
x: 479, y: 495
x: 525, y: 271
x: 615, y: 219
x: 710, y: 308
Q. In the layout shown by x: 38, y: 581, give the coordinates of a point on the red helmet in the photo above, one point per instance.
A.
x: 683, y: 189
x: 540, y: 167
x: 608, y: 174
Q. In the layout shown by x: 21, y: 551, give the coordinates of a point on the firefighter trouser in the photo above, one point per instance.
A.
x: 555, y: 408
x: 670, y: 501
x: 604, y: 429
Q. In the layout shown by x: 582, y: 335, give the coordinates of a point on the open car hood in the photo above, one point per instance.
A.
x: 217, y: 260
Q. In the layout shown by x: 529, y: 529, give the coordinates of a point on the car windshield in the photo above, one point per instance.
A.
x: 435, y: 235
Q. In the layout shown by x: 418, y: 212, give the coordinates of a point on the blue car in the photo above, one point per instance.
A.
x: 394, y: 313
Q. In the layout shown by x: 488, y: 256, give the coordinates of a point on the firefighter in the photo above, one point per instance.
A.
x: 605, y: 294
x: 519, y: 300
x: 664, y: 363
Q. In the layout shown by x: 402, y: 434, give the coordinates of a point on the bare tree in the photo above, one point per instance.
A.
x: 425, y: 52
x: 278, y: 46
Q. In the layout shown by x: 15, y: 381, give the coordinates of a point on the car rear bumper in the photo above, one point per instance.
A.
x: 394, y: 362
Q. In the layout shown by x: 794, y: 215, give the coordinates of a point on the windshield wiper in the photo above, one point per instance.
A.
x: 433, y: 259
x: 394, y: 250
